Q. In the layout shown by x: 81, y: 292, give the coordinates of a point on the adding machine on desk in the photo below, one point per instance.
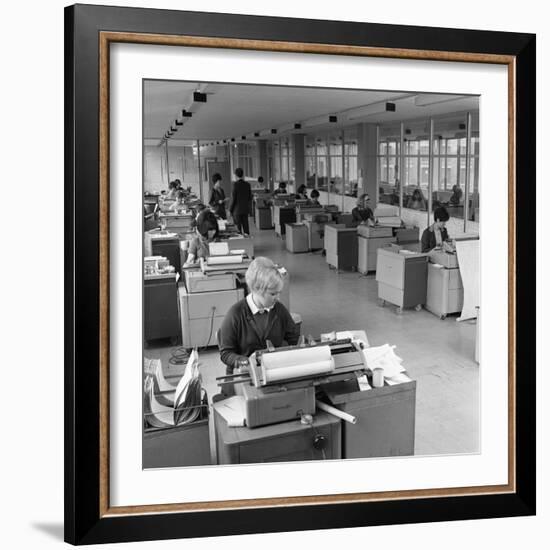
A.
x: 281, y: 382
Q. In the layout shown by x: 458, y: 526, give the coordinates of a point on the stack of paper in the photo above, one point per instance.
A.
x: 397, y: 379
x: 384, y: 357
x: 218, y: 249
x: 233, y: 411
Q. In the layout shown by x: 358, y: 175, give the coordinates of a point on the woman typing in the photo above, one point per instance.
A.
x: 257, y: 318
x: 207, y: 232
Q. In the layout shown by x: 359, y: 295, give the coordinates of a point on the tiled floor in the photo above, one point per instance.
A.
x: 438, y: 354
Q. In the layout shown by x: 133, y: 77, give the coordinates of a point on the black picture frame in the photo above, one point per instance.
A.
x: 87, y: 516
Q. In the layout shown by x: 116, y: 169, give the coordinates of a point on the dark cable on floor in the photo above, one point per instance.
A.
x: 211, y: 328
x: 179, y: 356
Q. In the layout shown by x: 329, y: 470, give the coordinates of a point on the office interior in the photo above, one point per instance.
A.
x: 411, y: 153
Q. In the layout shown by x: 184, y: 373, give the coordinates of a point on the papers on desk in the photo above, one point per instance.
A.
x: 233, y: 411
x: 383, y: 357
x: 397, y: 379
x: 218, y: 249
x: 222, y: 225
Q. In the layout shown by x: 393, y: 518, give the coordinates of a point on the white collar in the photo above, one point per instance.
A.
x: 253, y: 307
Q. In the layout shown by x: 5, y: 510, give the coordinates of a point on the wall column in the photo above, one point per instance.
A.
x: 262, y: 160
x: 299, y: 160
x: 366, y: 162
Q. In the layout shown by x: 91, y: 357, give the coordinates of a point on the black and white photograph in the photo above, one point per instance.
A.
x: 311, y: 273
x: 299, y: 292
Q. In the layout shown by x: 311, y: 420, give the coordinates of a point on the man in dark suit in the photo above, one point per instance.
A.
x: 241, y: 198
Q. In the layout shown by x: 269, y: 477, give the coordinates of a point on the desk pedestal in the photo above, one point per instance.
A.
x: 287, y: 441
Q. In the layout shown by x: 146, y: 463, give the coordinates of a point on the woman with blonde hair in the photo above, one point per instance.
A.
x: 257, y: 318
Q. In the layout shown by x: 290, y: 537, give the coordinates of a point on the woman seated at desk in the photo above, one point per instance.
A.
x: 207, y: 232
x: 314, y: 198
x: 417, y: 201
x: 456, y: 197
x: 301, y: 192
x: 179, y: 205
x: 436, y: 234
x: 362, y: 213
x: 281, y: 190
x: 172, y: 190
x: 257, y: 318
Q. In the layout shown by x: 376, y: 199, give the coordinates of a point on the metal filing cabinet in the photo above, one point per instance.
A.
x: 341, y: 246
x: 445, y: 293
x: 202, y: 314
x: 385, y: 418
x: 281, y: 216
x: 284, y: 442
x: 160, y: 307
x: 315, y: 235
x: 296, y: 238
x: 263, y: 218
x: 402, y: 278
x: 367, y: 251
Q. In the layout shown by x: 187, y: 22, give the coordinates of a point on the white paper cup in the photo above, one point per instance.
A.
x: 378, y: 378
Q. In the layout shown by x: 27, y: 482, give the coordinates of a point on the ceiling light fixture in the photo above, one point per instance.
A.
x: 372, y: 109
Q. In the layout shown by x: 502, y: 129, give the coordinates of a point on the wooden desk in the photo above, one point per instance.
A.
x: 284, y: 442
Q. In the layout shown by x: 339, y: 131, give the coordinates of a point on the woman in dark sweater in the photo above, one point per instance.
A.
x: 436, y: 234
x: 257, y: 318
x: 362, y: 213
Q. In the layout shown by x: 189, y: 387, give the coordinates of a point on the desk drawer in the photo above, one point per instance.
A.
x: 391, y: 294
